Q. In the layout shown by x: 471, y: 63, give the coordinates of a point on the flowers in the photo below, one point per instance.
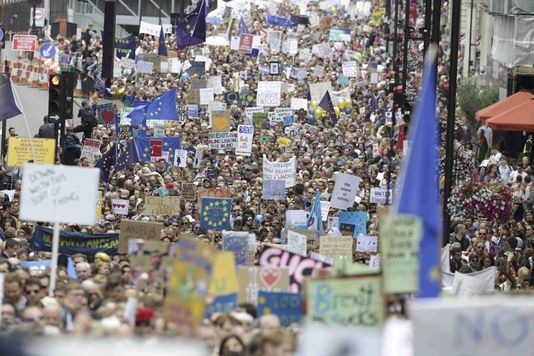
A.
x: 478, y: 199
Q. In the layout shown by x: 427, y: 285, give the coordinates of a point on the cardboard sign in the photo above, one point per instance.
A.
x: 268, y: 93
x: 131, y: 229
x: 52, y: 194
x: 188, y: 191
x: 285, y: 171
x: 400, y: 235
x: 213, y: 193
x: 287, y: 306
x: 237, y: 243
x: 367, y: 243
x: 335, y: 247
x: 253, y: 279
x: 158, y: 206
x: 222, y: 140
x: 363, y: 301
x: 299, y: 266
x: 296, y: 243
x: 19, y: 151
x: 245, y: 135
x: 120, y: 206
x: 91, y: 150
x: 344, y: 191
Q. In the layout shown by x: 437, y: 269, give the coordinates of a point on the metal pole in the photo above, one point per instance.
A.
x: 470, y: 39
x: 33, y: 17
x: 428, y: 22
x: 405, y: 51
x: 436, y: 22
x: 451, y: 114
x: 388, y: 15
x: 395, y: 41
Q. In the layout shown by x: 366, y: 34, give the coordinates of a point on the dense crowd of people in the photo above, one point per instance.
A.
x: 107, y: 296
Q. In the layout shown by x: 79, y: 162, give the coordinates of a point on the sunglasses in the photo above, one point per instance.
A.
x: 32, y: 291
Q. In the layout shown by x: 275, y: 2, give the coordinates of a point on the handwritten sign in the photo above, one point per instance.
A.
x: 131, y: 229
x: 280, y: 171
x: 19, y: 151
x: 52, y: 194
x: 367, y: 243
x: 158, y: 206
x: 144, y: 67
x: 335, y: 247
x: 325, y: 209
x: 268, y: 93
x: 296, y: 243
x: 381, y: 196
x: 91, y: 150
x: 120, y: 206
x: 362, y: 304
x: 345, y: 191
x: 222, y: 140
x: 188, y: 191
x: 287, y: 306
x: 245, y: 134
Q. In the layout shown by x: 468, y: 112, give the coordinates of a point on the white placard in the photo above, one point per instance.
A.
x: 174, y: 65
x: 61, y: 194
x: 234, y: 43
x: 280, y: 171
x: 296, y: 218
x: 305, y: 55
x: 299, y: 103
x: 206, y: 96
x: 268, y: 93
x: 489, y: 326
x: 318, y: 70
x: 350, y: 69
x: 245, y: 134
x: 325, y: 208
x: 317, y: 90
x: 374, y: 261
x: 149, y: 29
x: 180, y: 158
x: 120, y: 206
x: 215, y: 82
x: 374, y: 78
x: 336, y: 96
x: 144, y: 67
x: 367, y: 244
x: 164, y: 67
x: 381, y: 196
x: 344, y: 191
x: 473, y: 284
x: 296, y: 243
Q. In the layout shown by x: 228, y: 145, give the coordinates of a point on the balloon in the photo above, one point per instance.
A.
x: 313, y: 104
x: 319, y: 113
x: 311, y: 111
x: 347, y: 110
x: 259, y: 218
x: 185, y: 76
x: 337, y: 110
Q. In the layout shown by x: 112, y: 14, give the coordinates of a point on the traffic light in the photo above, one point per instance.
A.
x: 69, y: 82
x: 55, y: 100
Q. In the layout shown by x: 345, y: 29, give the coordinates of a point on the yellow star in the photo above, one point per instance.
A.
x: 435, y: 275
x: 216, y: 203
x: 210, y: 204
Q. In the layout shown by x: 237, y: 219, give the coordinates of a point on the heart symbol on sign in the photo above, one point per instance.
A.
x: 220, y: 123
x: 270, y: 276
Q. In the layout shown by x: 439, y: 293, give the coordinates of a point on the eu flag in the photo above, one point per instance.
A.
x: 215, y: 213
x: 419, y: 194
x: 162, y: 49
x: 242, y: 27
x: 315, y: 218
x: 128, y: 156
x: 162, y: 107
x: 153, y: 148
x: 192, y: 29
x: 279, y: 21
x: 107, y: 162
x: 328, y: 106
x: 8, y: 105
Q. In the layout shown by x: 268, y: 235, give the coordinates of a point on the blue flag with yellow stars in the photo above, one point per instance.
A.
x: 215, y: 213
x: 192, y: 29
x: 162, y: 107
x: 126, y: 156
x: 154, y: 148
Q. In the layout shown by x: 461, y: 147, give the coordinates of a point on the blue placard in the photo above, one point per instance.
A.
x: 236, y: 242
x: 353, y: 223
x: 287, y: 306
x: 47, y: 50
x: 215, y: 214
x: 222, y: 304
x: 1, y: 34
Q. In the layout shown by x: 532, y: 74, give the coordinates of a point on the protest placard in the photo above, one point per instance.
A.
x: 206, y: 96
x: 473, y: 284
x: 21, y: 150
x: 268, y: 93
x: 350, y: 69
x: 120, y: 206
x: 215, y: 213
x: 222, y: 140
x: 296, y: 217
x: 144, y: 67
x: 353, y: 223
x: 299, y: 103
x: 224, y: 275
x: 159, y: 206
x: 221, y: 304
x: 249, y: 113
x: 489, y: 326
x: 149, y: 29
x: 339, y: 35
x: 345, y: 191
x: 215, y: 82
x: 252, y: 279
x: 367, y: 243
x: 261, y: 120
x: 285, y: 171
x: 337, y: 96
x: 180, y: 158
x: 188, y: 191
x: 245, y: 134
x: 299, y: 266
x: 213, y: 193
x: 245, y: 42
x: 274, y: 189
x: 91, y: 150
x: 381, y: 196
x: 399, y: 247
x: 131, y: 229
x: 52, y: 194
x: 296, y: 243
x: 71, y: 243
x: 237, y: 243
x: 363, y: 301
x: 325, y: 208
x: 275, y: 40
x: 336, y: 246
x: 286, y: 306
x: 220, y: 121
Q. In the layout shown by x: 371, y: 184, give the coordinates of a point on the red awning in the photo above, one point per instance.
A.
x: 503, y: 105
x: 519, y: 118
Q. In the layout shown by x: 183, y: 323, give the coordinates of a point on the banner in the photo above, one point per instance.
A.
x: 268, y: 93
x: 215, y: 214
x: 345, y: 190
x: 473, y: 284
x: 75, y: 242
x: 336, y: 246
x: 363, y: 302
x: 245, y: 134
x: 353, y: 223
x: 149, y: 29
x: 299, y: 266
x: 222, y: 140
x: 339, y: 35
x: 125, y: 47
x: 286, y: 306
x: 399, y: 249
x: 285, y: 171
x: 131, y: 229
x: 158, y: 206
x: 20, y: 151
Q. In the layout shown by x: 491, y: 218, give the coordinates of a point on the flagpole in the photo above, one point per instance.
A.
x: 25, y: 119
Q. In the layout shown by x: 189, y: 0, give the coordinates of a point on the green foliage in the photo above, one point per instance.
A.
x: 472, y: 99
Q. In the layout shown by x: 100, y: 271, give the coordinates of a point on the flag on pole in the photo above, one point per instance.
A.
x: 419, y: 194
x: 328, y: 106
x: 162, y: 49
x: 162, y: 107
x: 192, y: 29
x: 8, y: 105
x: 242, y: 27
x: 315, y: 218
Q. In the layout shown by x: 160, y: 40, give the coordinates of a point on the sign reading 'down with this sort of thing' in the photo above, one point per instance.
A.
x: 59, y: 194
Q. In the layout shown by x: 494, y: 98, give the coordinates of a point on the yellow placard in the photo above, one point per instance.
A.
x: 224, y: 275
x: 20, y: 151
